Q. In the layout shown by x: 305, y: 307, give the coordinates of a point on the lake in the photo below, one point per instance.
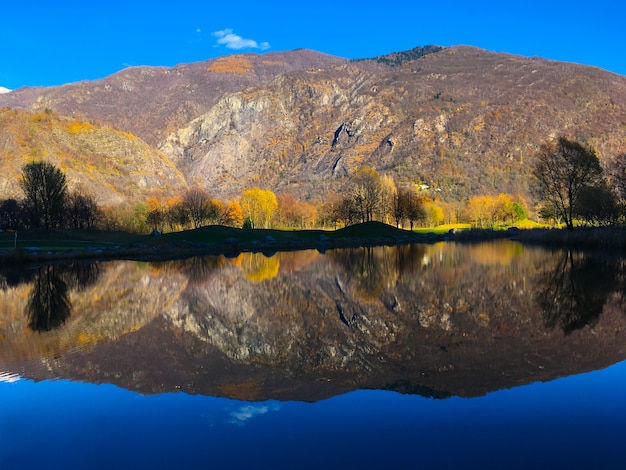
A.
x: 491, y: 355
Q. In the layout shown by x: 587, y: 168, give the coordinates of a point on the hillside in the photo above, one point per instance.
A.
x: 462, y: 120
x: 152, y: 102
x: 113, y: 166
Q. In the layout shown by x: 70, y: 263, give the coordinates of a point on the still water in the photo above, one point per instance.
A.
x: 490, y: 355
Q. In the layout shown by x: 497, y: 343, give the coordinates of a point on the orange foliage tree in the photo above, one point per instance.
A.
x: 294, y: 213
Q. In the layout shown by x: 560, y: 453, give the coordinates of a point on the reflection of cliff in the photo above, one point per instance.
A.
x: 437, y: 320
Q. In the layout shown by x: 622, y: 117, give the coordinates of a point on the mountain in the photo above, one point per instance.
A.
x: 152, y: 102
x: 4, y: 90
x: 462, y: 120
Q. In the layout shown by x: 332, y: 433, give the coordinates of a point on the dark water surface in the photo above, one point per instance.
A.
x: 436, y: 356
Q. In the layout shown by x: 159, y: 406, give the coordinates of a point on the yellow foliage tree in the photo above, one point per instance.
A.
x: 258, y: 206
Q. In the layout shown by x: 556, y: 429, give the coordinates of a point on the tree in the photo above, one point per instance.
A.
x: 45, y: 190
x: 196, y: 203
x: 346, y: 211
x: 399, y: 209
x: 294, y: 213
x: 366, y: 191
x: 388, y: 193
x: 414, y: 209
x: 598, y: 206
x: 562, y: 172
x: 258, y: 206
x: 232, y: 215
x: 431, y: 213
x: 81, y: 210
x: 617, y: 175
x: 13, y: 214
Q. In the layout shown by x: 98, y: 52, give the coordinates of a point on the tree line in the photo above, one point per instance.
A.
x: 569, y: 184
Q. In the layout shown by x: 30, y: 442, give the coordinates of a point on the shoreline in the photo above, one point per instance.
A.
x: 160, y: 249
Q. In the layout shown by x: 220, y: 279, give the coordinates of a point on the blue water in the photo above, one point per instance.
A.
x: 574, y: 422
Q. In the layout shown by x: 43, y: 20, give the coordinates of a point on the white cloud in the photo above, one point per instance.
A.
x: 244, y: 413
x: 4, y: 90
x: 230, y: 40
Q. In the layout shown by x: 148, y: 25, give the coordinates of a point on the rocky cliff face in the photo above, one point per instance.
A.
x: 462, y: 120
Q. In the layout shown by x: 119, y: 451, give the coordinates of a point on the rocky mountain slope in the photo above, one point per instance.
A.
x: 462, y: 120
x: 152, y: 102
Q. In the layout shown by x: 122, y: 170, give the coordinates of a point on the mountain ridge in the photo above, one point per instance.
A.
x: 462, y: 120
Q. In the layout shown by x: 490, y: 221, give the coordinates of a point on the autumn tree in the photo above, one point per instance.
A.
x: 232, y: 215
x: 196, y: 204
x: 486, y: 211
x: 294, y: 213
x: 414, y: 209
x: 258, y: 206
x: 562, y: 172
x: 45, y: 190
x: 399, y: 209
x: 346, y: 211
x: 432, y: 213
x: 365, y: 191
x: 387, y: 196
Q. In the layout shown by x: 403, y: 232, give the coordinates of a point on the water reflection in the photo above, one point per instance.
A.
x: 577, y: 288
x: 48, y: 304
x: 435, y: 320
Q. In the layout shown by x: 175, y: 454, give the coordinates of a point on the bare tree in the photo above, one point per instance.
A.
x: 196, y: 203
x: 366, y: 191
x: 563, y: 170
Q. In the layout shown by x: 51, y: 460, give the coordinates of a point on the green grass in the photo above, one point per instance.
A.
x: 65, y: 240
x: 218, y: 233
x: 61, y: 240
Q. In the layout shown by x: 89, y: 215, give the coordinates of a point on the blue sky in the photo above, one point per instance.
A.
x: 52, y: 43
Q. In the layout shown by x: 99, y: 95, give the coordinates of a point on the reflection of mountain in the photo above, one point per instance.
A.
x: 436, y: 320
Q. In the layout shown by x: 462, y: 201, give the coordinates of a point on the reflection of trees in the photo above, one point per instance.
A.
x: 258, y: 267
x: 49, y: 303
x: 197, y: 269
x: 80, y: 275
x: 409, y: 258
x: 14, y: 277
x: 375, y: 268
x: 577, y: 289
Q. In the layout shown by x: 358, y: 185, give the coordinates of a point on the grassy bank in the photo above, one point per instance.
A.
x: 38, y: 245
